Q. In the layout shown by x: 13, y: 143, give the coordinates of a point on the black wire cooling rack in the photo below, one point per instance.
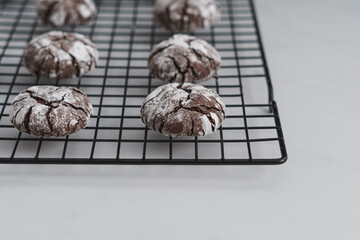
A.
x: 124, y: 33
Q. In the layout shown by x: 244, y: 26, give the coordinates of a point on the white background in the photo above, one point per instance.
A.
x: 313, y: 51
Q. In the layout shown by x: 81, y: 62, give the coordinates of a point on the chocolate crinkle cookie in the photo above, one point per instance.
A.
x: 60, y: 55
x: 65, y: 12
x: 183, y: 110
x: 186, y: 15
x: 183, y: 58
x: 50, y: 111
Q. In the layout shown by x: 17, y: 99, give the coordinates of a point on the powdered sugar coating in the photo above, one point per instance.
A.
x: 63, y: 12
x: 183, y: 110
x: 50, y: 111
x: 186, y: 15
x: 59, y: 54
x: 183, y: 58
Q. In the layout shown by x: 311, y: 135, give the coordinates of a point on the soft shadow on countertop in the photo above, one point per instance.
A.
x: 159, y: 176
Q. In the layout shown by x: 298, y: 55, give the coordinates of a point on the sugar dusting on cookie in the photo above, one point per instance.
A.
x: 50, y: 111
x: 183, y: 110
x: 59, y: 54
x: 64, y: 12
x: 183, y: 58
x: 186, y: 15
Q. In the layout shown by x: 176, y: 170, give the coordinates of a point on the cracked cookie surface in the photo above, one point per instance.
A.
x: 186, y: 15
x: 60, y: 55
x: 183, y: 110
x: 65, y: 12
x: 183, y: 58
x: 50, y: 111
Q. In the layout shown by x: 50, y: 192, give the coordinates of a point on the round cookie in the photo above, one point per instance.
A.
x: 183, y: 110
x: 65, y: 12
x: 60, y: 55
x: 50, y: 111
x: 183, y: 58
x: 186, y: 15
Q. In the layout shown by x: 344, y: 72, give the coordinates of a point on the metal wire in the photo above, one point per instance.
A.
x: 124, y: 32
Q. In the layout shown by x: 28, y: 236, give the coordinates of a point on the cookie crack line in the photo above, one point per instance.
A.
x: 76, y: 108
x: 49, y: 11
x: 221, y: 106
x: 211, y: 60
x: 57, y: 63
x: 43, y: 101
x: 212, y: 122
x: 77, y: 90
x: 200, y: 57
x: 57, y: 67
x: 173, y: 77
x: 189, y: 91
x: 201, y: 54
x: 93, y: 60
x: 26, y: 120
x: 154, y: 121
x: 192, y: 127
x: 38, y: 99
x: 178, y: 68
x: 199, y: 110
x: 79, y: 121
x: 162, y: 90
x: 74, y: 60
x: 48, y: 118
x: 211, y: 108
x: 189, y: 66
x: 39, y: 49
x: 207, y: 114
x: 188, y: 41
x: 17, y: 112
x: 19, y: 100
x: 40, y: 67
x: 193, y: 109
x: 163, y: 120
x: 189, y: 94
x: 158, y: 51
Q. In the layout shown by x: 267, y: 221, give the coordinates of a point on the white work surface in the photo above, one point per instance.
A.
x: 313, y: 51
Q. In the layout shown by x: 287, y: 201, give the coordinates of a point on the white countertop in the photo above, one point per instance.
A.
x: 313, y: 51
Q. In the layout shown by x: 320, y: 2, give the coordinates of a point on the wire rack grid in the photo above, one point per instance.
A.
x: 124, y: 32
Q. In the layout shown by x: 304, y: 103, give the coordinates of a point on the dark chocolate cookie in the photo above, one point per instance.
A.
x: 184, y: 58
x: 60, y: 55
x: 186, y: 15
x: 64, y: 12
x: 50, y: 111
x: 183, y: 110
